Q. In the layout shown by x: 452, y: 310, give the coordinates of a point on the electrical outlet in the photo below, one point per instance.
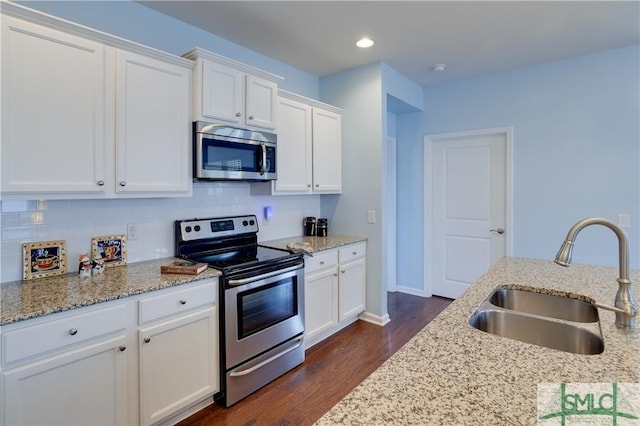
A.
x: 624, y: 220
x: 132, y: 232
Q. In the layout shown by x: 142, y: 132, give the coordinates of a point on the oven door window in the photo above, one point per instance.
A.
x: 263, y: 307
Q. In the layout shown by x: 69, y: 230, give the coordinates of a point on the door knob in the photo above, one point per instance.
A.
x: 499, y: 231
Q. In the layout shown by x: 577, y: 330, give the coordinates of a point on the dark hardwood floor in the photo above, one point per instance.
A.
x: 332, y: 368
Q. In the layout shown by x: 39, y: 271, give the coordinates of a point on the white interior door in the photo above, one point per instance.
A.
x: 469, y: 224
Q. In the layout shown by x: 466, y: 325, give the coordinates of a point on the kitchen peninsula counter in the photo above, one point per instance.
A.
x: 21, y: 300
x: 452, y: 373
x: 317, y: 243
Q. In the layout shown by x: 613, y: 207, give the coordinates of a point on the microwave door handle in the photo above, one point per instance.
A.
x: 264, y: 159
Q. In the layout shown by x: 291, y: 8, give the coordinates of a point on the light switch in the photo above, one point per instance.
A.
x: 371, y: 216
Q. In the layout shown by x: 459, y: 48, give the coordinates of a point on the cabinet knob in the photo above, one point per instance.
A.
x: 122, y: 348
x: 100, y: 183
x: 251, y: 117
x: 343, y: 271
x: 354, y: 253
x: 147, y: 339
x: 335, y: 275
x: 309, y: 185
x: 73, y: 331
x: 322, y: 262
x: 123, y: 183
x: 183, y: 302
x: 238, y: 114
x: 317, y: 185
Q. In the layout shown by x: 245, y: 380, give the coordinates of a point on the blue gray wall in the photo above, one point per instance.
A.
x: 576, y: 152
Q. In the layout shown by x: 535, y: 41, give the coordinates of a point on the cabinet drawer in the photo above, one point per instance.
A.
x: 353, y: 251
x: 47, y: 336
x: 174, y: 302
x: 321, y: 260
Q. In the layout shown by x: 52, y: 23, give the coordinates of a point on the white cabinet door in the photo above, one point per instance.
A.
x: 178, y: 364
x: 153, y: 132
x: 53, y: 110
x: 327, y: 151
x: 222, y: 93
x: 294, y: 154
x: 261, y: 102
x: 321, y: 302
x: 352, y: 288
x: 86, y: 386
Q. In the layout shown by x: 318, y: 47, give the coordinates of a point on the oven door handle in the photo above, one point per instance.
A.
x: 267, y: 361
x: 263, y: 276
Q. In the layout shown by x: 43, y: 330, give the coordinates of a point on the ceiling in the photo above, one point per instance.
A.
x: 471, y: 37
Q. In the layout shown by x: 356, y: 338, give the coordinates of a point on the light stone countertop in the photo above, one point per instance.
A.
x: 21, y: 300
x: 452, y: 373
x: 317, y: 243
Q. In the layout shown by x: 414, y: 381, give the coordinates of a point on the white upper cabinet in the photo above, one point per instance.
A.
x: 309, y: 152
x: 327, y: 151
x: 294, y: 152
x: 228, y: 91
x: 53, y: 110
x: 87, y: 115
x: 152, y: 125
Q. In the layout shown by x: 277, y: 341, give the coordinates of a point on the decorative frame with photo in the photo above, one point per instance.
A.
x: 44, y: 259
x: 111, y: 248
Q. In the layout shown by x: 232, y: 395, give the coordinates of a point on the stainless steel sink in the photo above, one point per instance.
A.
x: 555, y: 322
x: 547, y: 305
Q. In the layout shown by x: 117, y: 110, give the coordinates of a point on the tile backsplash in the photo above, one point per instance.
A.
x: 76, y: 221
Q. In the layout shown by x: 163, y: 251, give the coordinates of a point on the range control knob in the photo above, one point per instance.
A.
x: 252, y: 222
x: 245, y: 223
x: 196, y: 228
x: 187, y: 229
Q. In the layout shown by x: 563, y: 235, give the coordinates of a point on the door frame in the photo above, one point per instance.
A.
x: 390, y: 248
x: 429, y: 141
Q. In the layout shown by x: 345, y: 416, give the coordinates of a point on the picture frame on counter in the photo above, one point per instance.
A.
x: 110, y: 248
x: 44, y: 259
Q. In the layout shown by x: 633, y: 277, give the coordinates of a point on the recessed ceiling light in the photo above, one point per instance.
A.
x: 364, y: 42
x: 438, y: 67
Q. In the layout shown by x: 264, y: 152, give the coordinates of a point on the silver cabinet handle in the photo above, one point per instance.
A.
x: 236, y: 373
x: 73, y: 331
x: 100, y: 183
x: 183, y: 302
x: 499, y: 230
x: 122, y: 348
x: 238, y: 114
x: 147, y: 339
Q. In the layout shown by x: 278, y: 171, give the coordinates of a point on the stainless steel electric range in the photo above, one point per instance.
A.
x: 261, y: 301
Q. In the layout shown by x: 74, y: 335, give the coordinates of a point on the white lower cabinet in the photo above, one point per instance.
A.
x: 335, y: 289
x: 83, y: 367
x: 71, y: 370
x: 320, y: 295
x: 178, y: 364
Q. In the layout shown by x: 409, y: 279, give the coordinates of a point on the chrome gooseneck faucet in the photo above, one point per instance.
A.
x: 625, y: 307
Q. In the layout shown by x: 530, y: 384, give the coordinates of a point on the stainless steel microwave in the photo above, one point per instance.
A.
x: 222, y: 152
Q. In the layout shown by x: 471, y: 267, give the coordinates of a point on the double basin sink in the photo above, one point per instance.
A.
x: 552, y: 321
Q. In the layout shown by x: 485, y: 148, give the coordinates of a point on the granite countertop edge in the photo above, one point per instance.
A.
x: 452, y: 373
x: 329, y: 242
x: 23, y: 300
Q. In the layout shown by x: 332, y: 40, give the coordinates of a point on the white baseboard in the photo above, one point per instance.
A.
x: 413, y: 291
x: 375, y: 319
